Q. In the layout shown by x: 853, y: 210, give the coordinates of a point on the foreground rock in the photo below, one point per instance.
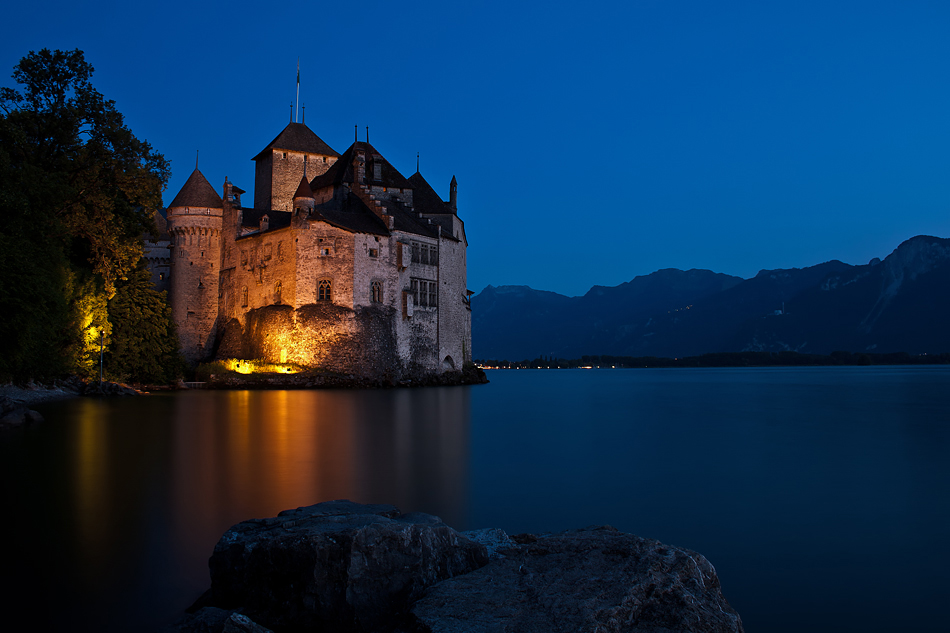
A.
x: 596, y: 579
x: 214, y: 620
x: 342, y: 566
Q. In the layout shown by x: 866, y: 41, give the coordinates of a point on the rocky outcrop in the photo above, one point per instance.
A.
x: 347, y: 567
x: 597, y: 579
x: 214, y: 620
x: 341, y: 565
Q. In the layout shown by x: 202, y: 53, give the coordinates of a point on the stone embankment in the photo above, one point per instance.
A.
x: 312, y: 380
x: 346, y: 567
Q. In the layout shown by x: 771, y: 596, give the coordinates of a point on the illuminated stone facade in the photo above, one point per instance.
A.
x: 342, y: 264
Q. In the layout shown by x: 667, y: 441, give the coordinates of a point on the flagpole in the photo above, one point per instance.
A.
x: 297, y: 111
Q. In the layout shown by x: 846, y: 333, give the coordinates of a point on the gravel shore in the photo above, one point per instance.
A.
x: 36, y: 394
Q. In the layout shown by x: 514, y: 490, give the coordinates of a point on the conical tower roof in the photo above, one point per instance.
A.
x: 303, y: 189
x: 197, y: 192
x: 297, y: 137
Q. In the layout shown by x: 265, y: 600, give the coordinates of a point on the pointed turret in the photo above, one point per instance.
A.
x: 303, y: 198
x: 194, y: 222
x: 453, y: 195
x: 303, y: 189
x: 197, y: 192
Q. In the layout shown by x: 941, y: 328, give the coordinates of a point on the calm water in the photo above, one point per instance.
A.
x: 821, y: 495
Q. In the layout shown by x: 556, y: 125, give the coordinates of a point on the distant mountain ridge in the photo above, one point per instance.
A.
x: 896, y: 305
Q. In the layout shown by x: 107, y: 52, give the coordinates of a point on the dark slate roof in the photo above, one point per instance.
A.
x: 342, y: 170
x: 425, y: 199
x: 350, y: 213
x: 251, y: 218
x: 297, y: 137
x: 407, y: 220
x: 303, y: 189
x: 197, y: 192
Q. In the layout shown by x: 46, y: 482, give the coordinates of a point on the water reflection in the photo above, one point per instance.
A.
x: 143, y: 488
x: 257, y: 452
x: 789, y: 480
x: 91, y: 481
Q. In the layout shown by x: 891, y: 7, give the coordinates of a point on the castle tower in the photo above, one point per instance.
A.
x: 194, y: 219
x: 280, y: 166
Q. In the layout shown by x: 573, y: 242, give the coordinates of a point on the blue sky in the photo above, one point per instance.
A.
x: 592, y: 142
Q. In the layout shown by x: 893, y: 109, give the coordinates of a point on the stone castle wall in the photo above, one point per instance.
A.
x: 324, y: 335
x: 455, y: 325
x: 158, y: 259
x: 261, y: 271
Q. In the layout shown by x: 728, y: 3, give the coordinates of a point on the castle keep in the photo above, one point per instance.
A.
x: 342, y: 263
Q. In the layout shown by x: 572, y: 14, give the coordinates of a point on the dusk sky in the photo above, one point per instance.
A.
x: 592, y: 141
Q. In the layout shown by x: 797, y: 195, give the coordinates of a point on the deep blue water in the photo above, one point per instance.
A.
x: 821, y: 495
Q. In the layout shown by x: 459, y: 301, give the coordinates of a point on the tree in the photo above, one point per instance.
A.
x: 77, y: 192
x: 143, y: 345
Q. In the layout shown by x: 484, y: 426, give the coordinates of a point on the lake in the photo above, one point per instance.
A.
x: 821, y: 495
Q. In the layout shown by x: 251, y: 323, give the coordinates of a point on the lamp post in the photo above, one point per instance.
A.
x: 102, y: 334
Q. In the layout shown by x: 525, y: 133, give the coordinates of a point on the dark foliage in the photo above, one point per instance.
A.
x: 77, y: 191
x: 143, y: 346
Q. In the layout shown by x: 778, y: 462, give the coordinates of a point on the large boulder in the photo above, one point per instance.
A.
x: 593, y: 580
x: 214, y: 620
x: 338, y: 566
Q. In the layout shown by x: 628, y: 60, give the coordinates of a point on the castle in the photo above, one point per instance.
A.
x: 342, y: 264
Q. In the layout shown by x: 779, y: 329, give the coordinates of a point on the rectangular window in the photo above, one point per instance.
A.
x: 374, y: 252
x: 424, y: 293
x: 425, y: 254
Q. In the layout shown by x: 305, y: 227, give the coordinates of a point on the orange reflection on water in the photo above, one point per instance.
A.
x: 91, y: 480
x: 246, y: 454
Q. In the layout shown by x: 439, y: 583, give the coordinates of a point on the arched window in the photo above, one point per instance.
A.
x: 277, y: 289
x: 376, y: 291
x: 244, y: 297
x: 324, y: 291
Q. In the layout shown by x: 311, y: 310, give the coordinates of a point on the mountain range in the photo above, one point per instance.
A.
x: 900, y: 304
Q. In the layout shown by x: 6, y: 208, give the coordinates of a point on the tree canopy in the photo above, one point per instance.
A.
x: 77, y: 192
